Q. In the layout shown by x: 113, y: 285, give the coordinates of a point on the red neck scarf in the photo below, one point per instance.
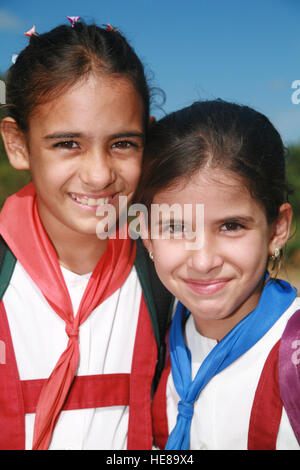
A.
x: 21, y: 227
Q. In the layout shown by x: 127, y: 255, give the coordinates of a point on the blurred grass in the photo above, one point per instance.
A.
x: 11, y: 180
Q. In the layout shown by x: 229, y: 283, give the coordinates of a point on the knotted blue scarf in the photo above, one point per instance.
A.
x: 276, y: 297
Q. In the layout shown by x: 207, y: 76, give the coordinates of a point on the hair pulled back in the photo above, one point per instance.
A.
x: 221, y: 135
x: 55, y: 60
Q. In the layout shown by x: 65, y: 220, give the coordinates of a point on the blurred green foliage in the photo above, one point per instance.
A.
x: 293, y: 177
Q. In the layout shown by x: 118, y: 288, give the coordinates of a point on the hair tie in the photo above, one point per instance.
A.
x: 109, y: 27
x: 31, y: 32
x: 73, y: 20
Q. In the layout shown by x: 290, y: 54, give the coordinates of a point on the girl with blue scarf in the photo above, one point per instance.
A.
x: 217, y: 171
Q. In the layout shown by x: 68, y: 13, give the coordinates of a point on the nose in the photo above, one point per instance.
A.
x: 206, y: 258
x: 97, y: 170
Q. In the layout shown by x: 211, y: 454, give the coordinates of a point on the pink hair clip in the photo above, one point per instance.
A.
x: 109, y: 27
x: 31, y: 32
x: 73, y: 20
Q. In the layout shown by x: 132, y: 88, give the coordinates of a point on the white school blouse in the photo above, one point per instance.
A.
x: 106, y: 341
x: 222, y: 411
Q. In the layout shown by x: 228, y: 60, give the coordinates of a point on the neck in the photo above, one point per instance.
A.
x: 80, y: 256
x: 77, y: 252
x: 217, y: 329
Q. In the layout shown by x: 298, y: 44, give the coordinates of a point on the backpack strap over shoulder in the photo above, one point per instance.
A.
x: 158, y: 299
x: 7, y: 266
x: 289, y: 371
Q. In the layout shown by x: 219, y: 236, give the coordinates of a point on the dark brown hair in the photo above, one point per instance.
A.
x: 223, y: 135
x: 54, y: 61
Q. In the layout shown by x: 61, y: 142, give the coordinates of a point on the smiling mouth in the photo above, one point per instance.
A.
x: 206, y: 287
x: 91, y: 202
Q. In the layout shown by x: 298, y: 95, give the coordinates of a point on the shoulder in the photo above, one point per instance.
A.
x: 289, y: 368
x: 292, y: 324
x: 293, y: 309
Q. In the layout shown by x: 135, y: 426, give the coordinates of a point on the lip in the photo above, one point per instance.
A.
x: 91, y: 202
x: 206, y: 287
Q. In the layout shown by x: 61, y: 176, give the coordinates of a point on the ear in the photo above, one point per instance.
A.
x: 15, y: 144
x: 281, y: 228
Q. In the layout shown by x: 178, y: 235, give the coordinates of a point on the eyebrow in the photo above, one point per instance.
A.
x: 140, y: 135
x: 63, y: 135
x: 236, y: 218
x: 72, y: 135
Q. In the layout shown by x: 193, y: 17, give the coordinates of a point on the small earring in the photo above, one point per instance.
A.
x: 151, y: 255
x: 276, y: 254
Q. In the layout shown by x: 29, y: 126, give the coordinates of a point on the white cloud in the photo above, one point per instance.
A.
x: 9, y: 21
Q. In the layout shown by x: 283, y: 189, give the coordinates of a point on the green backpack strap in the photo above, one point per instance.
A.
x: 7, y: 266
x: 158, y: 299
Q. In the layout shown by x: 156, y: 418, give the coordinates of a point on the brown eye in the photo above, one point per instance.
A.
x: 231, y: 227
x: 68, y: 144
x: 123, y: 144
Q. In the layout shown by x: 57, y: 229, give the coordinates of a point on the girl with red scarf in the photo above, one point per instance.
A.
x: 80, y: 353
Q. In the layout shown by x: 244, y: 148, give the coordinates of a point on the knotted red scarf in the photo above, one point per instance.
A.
x: 21, y: 227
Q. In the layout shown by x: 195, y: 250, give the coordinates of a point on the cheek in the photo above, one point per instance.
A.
x: 240, y: 255
x: 48, y: 178
x: 167, y: 258
x: 130, y: 172
x: 52, y: 168
x: 249, y: 255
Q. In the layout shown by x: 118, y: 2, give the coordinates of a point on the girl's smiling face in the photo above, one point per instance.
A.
x: 85, y: 149
x: 220, y: 282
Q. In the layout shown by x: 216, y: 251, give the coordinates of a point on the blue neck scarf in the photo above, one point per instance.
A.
x: 276, y: 297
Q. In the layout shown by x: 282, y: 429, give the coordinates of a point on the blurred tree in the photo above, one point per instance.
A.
x: 293, y: 176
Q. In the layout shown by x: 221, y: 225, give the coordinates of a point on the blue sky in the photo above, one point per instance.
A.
x: 238, y: 50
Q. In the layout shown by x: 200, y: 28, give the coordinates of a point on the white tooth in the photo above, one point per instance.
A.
x: 91, y: 201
